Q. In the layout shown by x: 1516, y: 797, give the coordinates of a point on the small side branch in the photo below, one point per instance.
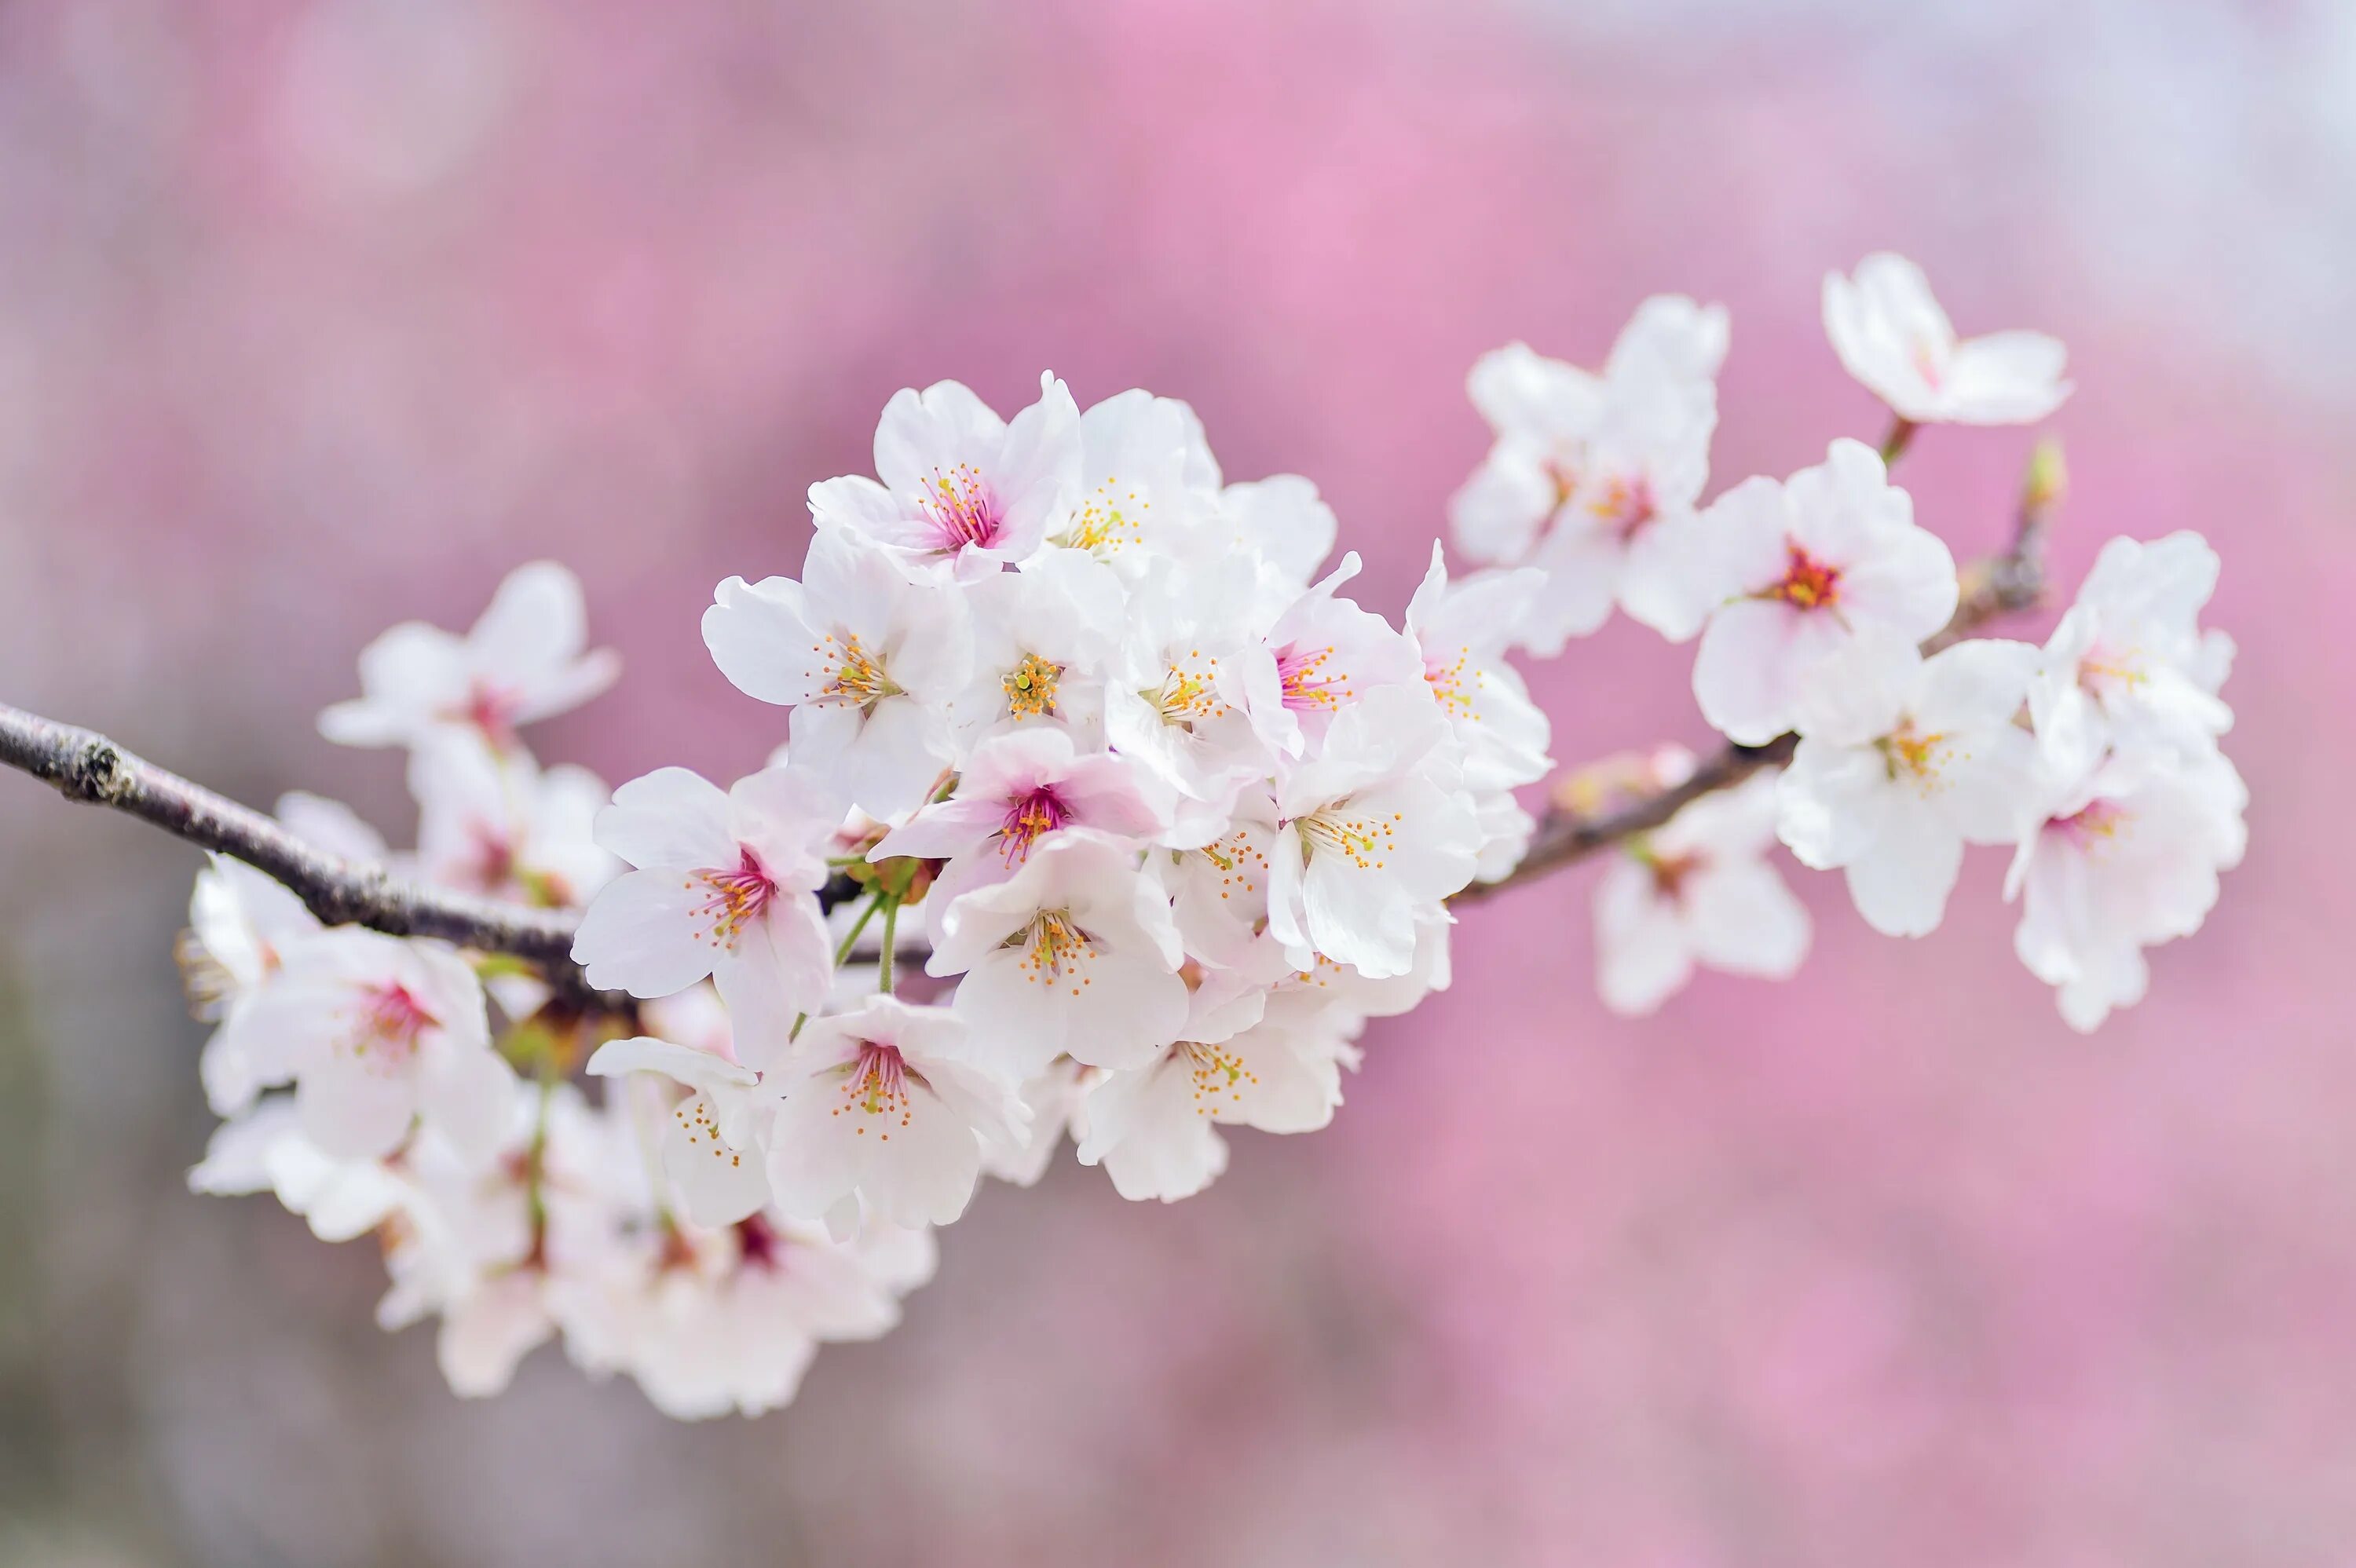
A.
x: 2001, y: 585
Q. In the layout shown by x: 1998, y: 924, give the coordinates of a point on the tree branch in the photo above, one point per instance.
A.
x: 2000, y: 586
x: 86, y: 766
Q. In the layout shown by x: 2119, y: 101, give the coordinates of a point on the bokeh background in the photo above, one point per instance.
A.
x: 317, y: 316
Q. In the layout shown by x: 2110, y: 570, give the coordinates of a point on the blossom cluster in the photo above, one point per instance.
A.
x: 1104, y: 816
x: 1821, y: 609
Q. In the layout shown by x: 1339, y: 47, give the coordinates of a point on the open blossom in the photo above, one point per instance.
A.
x: 523, y: 661
x: 1800, y: 570
x: 1594, y: 479
x: 1901, y: 762
x: 1018, y: 790
x: 375, y: 1032
x: 887, y: 1104
x: 714, y: 1147
x: 1322, y: 654
x: 964, y: 492
x: 2129, y: 665
x: 1043, y: 644
x: 723, y: 887
x: 497, y: 824
x: 2125, y: 859
x: 1461, y: 629
x: 868, y: 660
x: 1169, y: 707
x: 1148, y: 483
x: 1892, y: 334
x: 1246, y: 1059
x: 1075, y: 954
x: 1372, y: 828
x: 1698, y: 890
x: 1280, y: 520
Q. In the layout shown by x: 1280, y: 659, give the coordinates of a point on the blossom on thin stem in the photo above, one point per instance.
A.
x: 1892, y: 334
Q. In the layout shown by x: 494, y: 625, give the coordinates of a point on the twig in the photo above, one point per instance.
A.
x: 2001, y: 585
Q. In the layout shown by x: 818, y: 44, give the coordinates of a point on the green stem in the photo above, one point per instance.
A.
x: 891, y: 930
x: 842, y: 953
x: 1894, y: 444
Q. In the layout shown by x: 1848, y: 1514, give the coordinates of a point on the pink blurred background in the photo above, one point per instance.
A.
x: 315, y: 317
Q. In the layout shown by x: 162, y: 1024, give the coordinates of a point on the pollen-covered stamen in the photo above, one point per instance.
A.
x: 1029, y: 816
x: 1031, y: 688
x: 875, y: 1087
x: 1109, y: 520
x: 1056, y: 951
x: 963, y: 512
x: 1309, y: 678
x: 2099, y: 822
x: 848, y: 673
x: 732, y: 900
x: 1368, y: 842
x: 1625, y: 504
x: 695, y: 1117
x: 2107, y: 672
x: 1240, y: 863
x: 1909, y: 754
x: 1187, y: 695
x: 1807, y: 583
x: 388, y: 1022
x: 1219, y: 1076
x: 1455, y: 682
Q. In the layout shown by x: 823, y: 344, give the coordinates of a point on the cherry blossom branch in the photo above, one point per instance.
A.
x: 2005, y: 584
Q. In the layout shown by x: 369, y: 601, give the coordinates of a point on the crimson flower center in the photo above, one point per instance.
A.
x: 1807, y: 583
x: 962, y: 510
x: 732, y: 900
x: 1029, y: 817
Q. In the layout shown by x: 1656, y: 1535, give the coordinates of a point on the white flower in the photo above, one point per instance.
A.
x: 2129, y: 665
x: 867, y: 659
x: 1697, y: 890
x: 1802, y: 569
x: 2126, y: 860
x: 524, y: 661
x: 1167, y: 706
x: 884, y: 1103
x: 1322, y: 654
x: 1148, y: 483
x: 1373, y: 827
x: 374, y: 1031
x: 1892, y: 334
x: 1052, y: 1098
x: 723, y: 887
x: 964, y: 492
x: 1462, y: 630
x: 1016, y: 791
x: 714, y: 1148
x: 1075, y: 954
x: 494, y: 823
x: 1901, y: 762
x: 1595, y: 478
x: 1247, y: 1058
x: 1042, y: 639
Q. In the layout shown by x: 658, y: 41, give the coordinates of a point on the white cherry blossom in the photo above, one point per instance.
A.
x: 1463, y: 629
x: 1595, y: 478
x: 1373, y: 826
x: 868, y: 660
x: 1901, y: 762
x: 497, y: 824
x: 722, y: 887
x: 1322, y: 654
x: 964, y: 492
x: 1270, y: 1062
x: 1168, y: 705
x: 1698, y: 890
x: 375, y: 1032
x: 1148, y: 483
x: 1892, y: 334
x: 2129, y: 665
x: 714, y: 1147
x: 1283, y: 520
x: 2124, y: 860
x: 887, y: 1104
x: 1800, y: 570
x: 525, y: 660
x: 1042, y: 643
x: 1075, y: 954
